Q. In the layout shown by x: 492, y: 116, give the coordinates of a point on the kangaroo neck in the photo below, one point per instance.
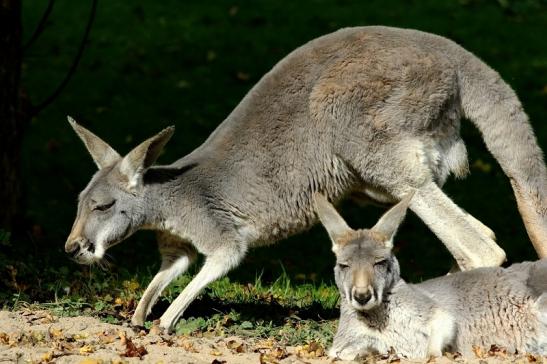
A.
x: 166, y: 191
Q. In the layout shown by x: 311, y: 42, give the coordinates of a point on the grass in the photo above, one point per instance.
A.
x: 152, y: 64
x: 289, y: 313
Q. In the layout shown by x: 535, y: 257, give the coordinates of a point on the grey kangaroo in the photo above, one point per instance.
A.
x: 380, y: 311
x: 373, y: 111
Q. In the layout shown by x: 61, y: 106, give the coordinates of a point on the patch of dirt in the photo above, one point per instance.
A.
x: 39, y: 337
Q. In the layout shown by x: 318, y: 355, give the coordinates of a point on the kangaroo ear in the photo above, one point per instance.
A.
x: 135, y: 163
x: 335, y: 225
x: 103, y: 155
x: 389, y: 223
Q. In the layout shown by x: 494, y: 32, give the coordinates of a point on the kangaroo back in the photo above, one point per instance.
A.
x: 496, y: 111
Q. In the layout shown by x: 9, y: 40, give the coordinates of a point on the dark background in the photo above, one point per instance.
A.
x: 150, y: 64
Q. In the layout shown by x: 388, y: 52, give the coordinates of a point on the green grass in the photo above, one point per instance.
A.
x: 291, y: 314
x: 150, y: 64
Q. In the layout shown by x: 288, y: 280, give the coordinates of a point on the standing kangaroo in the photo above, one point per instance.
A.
x: 380, y: 311
x: 369, y: 110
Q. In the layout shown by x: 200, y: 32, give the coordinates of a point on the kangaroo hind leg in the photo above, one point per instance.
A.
x: 469, y: 243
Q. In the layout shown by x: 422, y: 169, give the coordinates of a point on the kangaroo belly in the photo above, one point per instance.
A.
x: 286, y: 204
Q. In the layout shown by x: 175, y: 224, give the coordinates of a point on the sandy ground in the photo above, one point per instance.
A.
x: 39, y: 337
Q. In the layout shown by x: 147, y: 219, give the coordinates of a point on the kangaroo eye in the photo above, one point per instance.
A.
x: 104, y: 207
x: 342, y: 265
x: 380, y: 262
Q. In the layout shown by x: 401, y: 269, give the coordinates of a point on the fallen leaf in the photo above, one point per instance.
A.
x: 56, y: 333
x: 86, y: 349
x: 497, y: 351
x: 267, y: 359
x: 80, y: 336
x: 215, y: 352
x: 123, y: 337
x: 310, y: 350
x: 278, y: 352
x: 106, y: 338
x: 478, y: 351
x: 91, y: 361
x: 235, y: 346
x: 133, y: 351
x: 188, y: 346
x: 531, y: 358
x: 4, y: 338
x: 264, y: 344
x: 47, y: 357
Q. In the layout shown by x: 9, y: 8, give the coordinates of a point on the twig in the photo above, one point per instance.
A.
x: 40, y: 27
x: 38, y: 108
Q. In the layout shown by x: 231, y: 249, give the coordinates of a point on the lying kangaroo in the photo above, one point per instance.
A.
x: 369, y: 110
x: 380, y: 311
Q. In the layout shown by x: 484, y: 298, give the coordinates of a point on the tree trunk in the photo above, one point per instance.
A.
x: 11, y: 116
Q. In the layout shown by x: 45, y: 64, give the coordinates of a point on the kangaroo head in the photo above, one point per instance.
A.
x: 366, y: 268
x: 112, y: 206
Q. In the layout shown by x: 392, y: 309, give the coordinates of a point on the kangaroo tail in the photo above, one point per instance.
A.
x: 496, y: 111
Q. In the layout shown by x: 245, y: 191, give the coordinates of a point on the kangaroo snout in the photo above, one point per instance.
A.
x: 76, y: 246
x: 361, y: 295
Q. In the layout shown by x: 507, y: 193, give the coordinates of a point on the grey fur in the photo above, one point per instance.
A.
x: 369, y: 110
x: 480, y: 307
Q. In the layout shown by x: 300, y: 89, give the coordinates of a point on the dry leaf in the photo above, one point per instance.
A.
x: 215, y: 352
x: 267, y: 359
x: 497, y: 351
x: 478, y: 351
x: 531, y: 358
x: 188, y: 346
x: 106, y: 338
x: 91, y: 361
x: 55, y: 333
x: 311, y: 350
x: 47, y: 357
x: 235, y: 347
x: 264, y: 344
x: 4, y: 338
x: 80, y: 336
x: 133, y: 351
x: 123, y: 337
x: 278, y: 353
x: 86, y: 349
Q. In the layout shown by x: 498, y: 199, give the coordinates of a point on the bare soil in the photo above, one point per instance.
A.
x: 38, y: 337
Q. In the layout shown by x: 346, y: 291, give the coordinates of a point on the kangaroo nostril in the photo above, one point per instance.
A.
x: 74, y: 252
x: 91, y: 247
x: 362, y: 297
